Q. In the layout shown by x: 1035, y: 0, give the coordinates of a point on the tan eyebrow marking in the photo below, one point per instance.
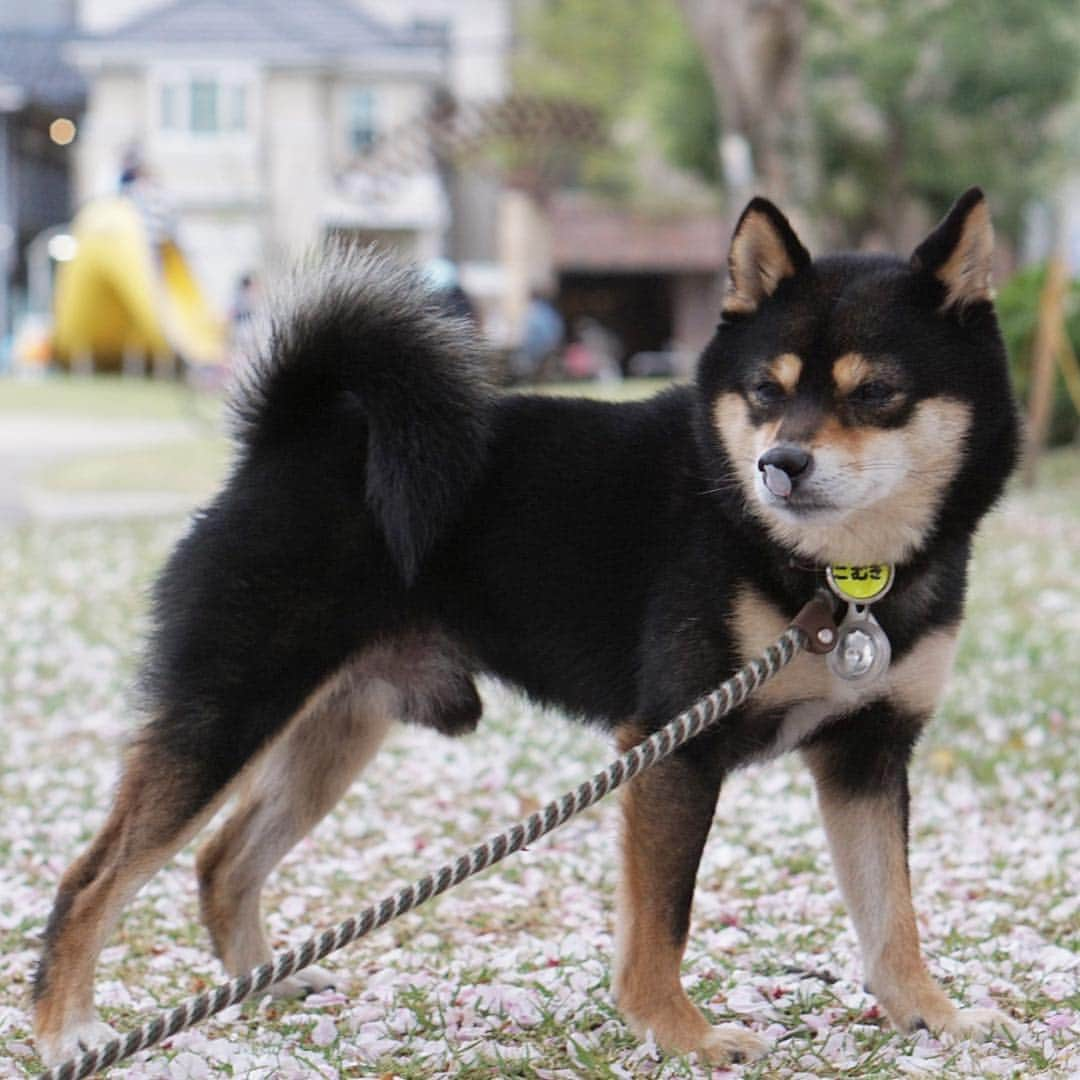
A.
x: 849, y: 371
x: 786, y: 369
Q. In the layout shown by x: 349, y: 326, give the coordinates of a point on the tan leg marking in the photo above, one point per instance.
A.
x: 648, y: 954
x: 299, y: 780
x: 868, y: 848
x: 148, y: 824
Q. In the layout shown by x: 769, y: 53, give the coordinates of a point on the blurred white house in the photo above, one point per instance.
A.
x: 253, y: 117
x: 269, y: 125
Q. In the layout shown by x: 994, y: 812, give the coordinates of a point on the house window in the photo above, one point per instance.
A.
x: 235, y: 107
x: 361, y: 119
x: 204, y: 105
x: 171, y: 107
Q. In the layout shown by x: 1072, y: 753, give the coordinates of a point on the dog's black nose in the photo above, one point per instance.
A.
x: 788, y: 459
x: 781, y: 468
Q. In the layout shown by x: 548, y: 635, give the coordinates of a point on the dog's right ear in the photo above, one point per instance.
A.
x: 764, y: 252
x: 959, y: 253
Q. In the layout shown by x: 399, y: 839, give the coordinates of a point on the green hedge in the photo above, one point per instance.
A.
x: 1018, y: 313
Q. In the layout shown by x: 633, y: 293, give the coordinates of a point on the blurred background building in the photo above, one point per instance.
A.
x: 252, y: 115
x: 583, y: 154
x: 38, y: 88
x: 266, y: 126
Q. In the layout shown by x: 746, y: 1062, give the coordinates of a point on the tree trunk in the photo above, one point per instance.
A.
x: 753, y: 52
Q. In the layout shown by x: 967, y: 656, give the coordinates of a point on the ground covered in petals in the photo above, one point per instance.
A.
x: 509, y: 974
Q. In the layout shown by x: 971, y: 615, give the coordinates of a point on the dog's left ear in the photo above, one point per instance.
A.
x: 959, y: 253
x: 764, y: 252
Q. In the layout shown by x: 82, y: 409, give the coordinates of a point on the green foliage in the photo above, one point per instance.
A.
x: 1018, y: 312
x: 681, y: 105
x: 633, y: 61
x: 920, y: 101
x: 587, y: 49
x: 591, y: 52
x: 912, y: 102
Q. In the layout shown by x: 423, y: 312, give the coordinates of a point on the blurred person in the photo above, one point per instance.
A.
x: 245, y: 297
x: 138, y: 183
x: 242, y: 327
x: 542, y: 336
x: 595, y: 353
x: 450, y: 297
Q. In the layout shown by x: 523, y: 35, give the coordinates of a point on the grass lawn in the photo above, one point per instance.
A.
x: 509, y: 974
x: 111, y: 397
x: 106, y: 397
x: 627, y: 390
x: 189, y: 464
x: 193, y: 466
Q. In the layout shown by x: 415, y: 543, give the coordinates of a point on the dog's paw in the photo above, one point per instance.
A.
x: 979, y: 1024
x: 731, y: 1044
x: 74, y: 1040
x: 312, y: 980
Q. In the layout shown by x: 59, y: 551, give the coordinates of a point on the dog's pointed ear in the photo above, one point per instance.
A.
x: 959, y: 253
x: 764, y: 252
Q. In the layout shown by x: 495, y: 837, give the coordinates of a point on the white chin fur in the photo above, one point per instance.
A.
x: 881, y: 496
x: 862, y: 531
x: 794, y: 515
x: 822, y: 503
x: 857, y: 537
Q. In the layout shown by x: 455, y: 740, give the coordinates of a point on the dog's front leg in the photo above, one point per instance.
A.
x: 667, y: 812
x: 860, y: 769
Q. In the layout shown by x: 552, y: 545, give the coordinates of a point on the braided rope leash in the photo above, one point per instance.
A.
x: 658, y: 746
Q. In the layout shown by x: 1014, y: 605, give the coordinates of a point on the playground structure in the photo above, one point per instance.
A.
x: 126, y: 297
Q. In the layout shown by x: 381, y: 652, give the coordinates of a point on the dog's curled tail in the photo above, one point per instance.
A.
x: 356, y: 338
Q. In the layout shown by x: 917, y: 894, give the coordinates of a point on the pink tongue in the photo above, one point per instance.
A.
x: 777, y: 481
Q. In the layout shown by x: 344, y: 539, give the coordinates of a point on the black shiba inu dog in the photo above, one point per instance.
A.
x: 392, y: 527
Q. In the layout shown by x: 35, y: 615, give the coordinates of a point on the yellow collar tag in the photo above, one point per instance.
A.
x: 860, y: 584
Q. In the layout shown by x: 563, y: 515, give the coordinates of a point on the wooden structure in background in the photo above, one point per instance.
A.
x: 1051, y: 349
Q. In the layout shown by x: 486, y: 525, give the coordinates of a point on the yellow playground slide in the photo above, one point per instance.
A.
x: 123, y: 295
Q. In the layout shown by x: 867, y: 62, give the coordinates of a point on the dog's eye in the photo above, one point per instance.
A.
x: 767, y: 392
x: 874, y: 393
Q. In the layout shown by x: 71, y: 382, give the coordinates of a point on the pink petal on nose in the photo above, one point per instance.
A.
x: 777, y: 481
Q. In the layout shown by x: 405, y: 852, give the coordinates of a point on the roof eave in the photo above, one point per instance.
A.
x: 91, y: 56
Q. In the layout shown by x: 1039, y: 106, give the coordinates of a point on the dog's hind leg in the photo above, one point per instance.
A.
x: 666, y: 817
x: 160, y: 804
x: 300, y: 779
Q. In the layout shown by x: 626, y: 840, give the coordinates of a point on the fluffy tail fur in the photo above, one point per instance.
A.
x: 361, y: 333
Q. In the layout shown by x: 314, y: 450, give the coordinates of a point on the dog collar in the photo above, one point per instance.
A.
x: 862, y: 651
